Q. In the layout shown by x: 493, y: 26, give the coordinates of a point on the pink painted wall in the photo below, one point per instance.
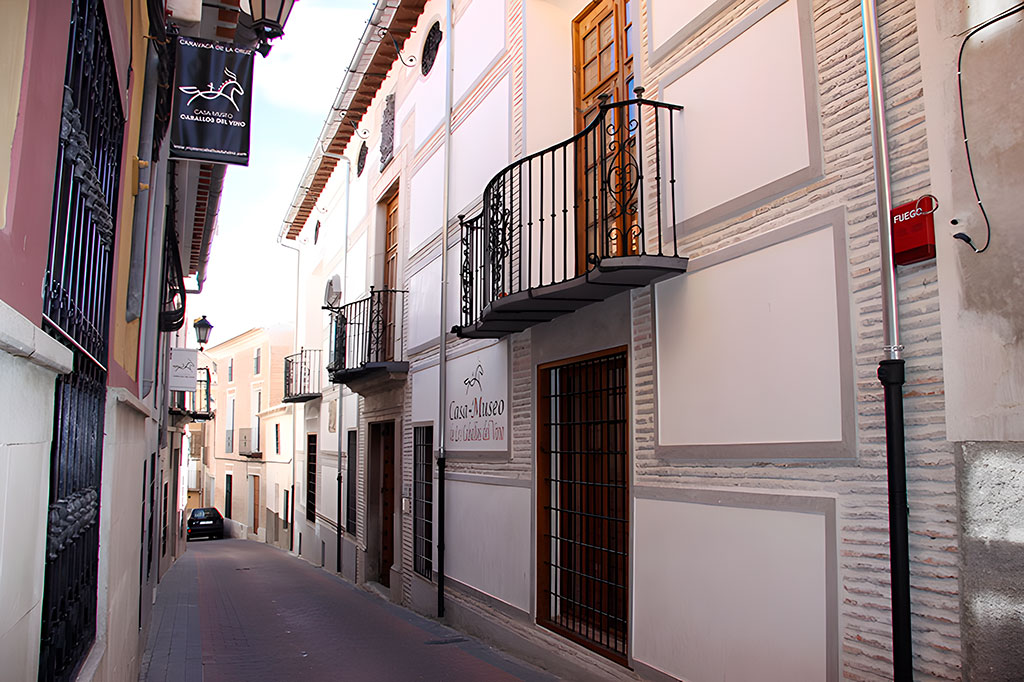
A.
x: 24, y: 245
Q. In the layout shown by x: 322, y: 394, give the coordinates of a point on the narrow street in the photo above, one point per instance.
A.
x: 239, y: 610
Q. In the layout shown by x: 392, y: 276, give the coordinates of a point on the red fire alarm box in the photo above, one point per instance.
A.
x: 913, y: 230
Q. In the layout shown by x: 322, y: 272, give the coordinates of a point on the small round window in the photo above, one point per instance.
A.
x: 361, y: 161
x: 430, y: 45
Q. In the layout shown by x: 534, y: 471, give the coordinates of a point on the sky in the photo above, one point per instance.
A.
x: 251, y: 279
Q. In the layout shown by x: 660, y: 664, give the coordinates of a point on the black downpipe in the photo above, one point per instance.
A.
x: 440, y: 536
x: 291, y: 526
x: 338, y: 557
x: 892, y: 375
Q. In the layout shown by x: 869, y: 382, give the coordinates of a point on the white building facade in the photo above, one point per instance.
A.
x: 619, y: 269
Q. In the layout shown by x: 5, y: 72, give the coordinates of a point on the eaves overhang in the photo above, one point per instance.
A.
x: 390, y: 25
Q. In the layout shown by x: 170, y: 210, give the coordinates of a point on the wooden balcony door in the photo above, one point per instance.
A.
x: 386, y: 303
x: 606, y: 173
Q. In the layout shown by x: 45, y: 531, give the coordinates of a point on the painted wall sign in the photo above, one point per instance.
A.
x: 183, y: 369
x: 477, y: 407
x: 212, y: 102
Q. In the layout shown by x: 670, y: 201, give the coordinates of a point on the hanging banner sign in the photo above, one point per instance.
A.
x: 478, y: 400
x: 183, y: 369
x: 212, y: 102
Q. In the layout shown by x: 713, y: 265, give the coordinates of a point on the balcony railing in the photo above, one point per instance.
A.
x: 575, y: 223
x: 195, y: 404
x: 366, y: 338
x: 302, y: 376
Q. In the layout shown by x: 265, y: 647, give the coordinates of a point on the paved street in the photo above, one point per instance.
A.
x: 240, y: 610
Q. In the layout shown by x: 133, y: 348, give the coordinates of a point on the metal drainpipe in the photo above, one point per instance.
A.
x: 295, y: 344
x: 891, y: 372
x: 443, y: 359
x: 341, y: 390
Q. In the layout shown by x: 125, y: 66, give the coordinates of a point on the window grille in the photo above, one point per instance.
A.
x: 361, y: 159
x: 423, y: 500
x: 583, y: 468
x: 76, y: 309
x: 311, y: 477
x: 350, y: 483
x: 430, y: 45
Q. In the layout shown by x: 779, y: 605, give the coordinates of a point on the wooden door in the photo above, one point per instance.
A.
x: 603, y: 71
x: 387, y: 501
x: 256, y: 504
x: 390, y: 281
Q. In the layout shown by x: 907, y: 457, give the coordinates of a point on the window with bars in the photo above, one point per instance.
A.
x: 350, y: 484
x: 583, y: 468
x: 76, y: 312
x: 311, y: 477
x: 423, y: 499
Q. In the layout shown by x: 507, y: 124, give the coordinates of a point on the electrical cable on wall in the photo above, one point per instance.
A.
x: 963, y: 236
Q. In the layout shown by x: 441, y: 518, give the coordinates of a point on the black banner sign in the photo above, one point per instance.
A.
x: 212, y: 102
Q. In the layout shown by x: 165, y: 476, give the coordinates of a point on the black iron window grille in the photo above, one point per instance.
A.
x: 172, y: 312
x: 302, y: 375
x: 361, y: 159
x: 423, y: 499
x: 350, y: 483
x: 430, y: 45
x: 311, y: 477
x: 366, y: 332
x: 607, y: 192
x: 583, y: 553
x: 76, y: 309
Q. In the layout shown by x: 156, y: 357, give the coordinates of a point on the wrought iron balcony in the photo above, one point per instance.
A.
x: 302, y: 376
x: 366, y: 342
x: 573, y: 224
x: 195, y: 404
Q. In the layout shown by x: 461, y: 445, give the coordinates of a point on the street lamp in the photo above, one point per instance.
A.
x: 268, y: 16
x: 202, y: 327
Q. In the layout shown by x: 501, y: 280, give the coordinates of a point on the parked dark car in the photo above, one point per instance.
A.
x: 205, y: 522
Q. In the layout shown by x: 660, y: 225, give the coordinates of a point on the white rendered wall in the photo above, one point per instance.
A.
x: 480, y: 147
x: 424, y: 314
x: 426, y: 200
x: 327, y: 504
x: 428, y: 94
x: 548, y: 71
x: 350, y: 413
x: 738, y: 138
x: 26, y: 420
x: 488, y: 539
x: 129, y: 436
x: 425, y: 384
x: 726, y: 593
x: 479, y: 39
x: 728, y: 336
x: 355, y: 276
x: 668, y: 17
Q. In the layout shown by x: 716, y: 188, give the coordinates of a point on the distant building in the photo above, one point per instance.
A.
x: 246, y: 471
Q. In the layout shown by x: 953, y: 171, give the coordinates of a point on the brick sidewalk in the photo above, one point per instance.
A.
x: 239, y: 610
